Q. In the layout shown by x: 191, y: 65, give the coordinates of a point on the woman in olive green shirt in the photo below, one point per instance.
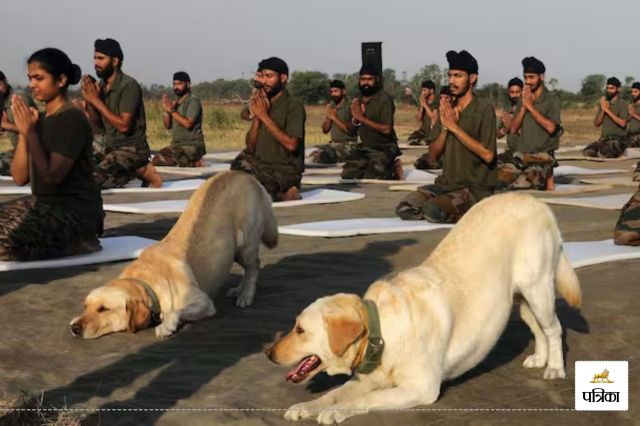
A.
x: 64, y: 215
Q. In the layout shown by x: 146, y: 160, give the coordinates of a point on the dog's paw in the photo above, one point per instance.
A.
x: 534, y: 361
x: 554, y: 373
x: 244, y: 300
x: 168, y: 326
x: 336, y: 414
x: 235, y: 291
x: 300, y: 411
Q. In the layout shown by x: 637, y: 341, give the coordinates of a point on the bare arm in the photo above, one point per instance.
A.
x: 358, y: 114
x: 7, y: 125
x: 252, y: 136
x: 517, y: 120
x: 548, y: 125
x: 450, y: 120
x: 619, y: 121
x: 633, y: 114
x: 437, y: 146
x: 326, y: 125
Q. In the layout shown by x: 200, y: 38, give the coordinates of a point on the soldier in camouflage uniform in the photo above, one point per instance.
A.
x: 118, y: 107
x: 627, y: 230
x: 184, y: 118
x: 426, y: 161
x: 7, y: 125
x: 612, y: 117
x: 633, y: 123
x: 275, y: 142
x: 375, y: 156
x: 514, y: 92
x: 338, y: 122
x: 529, y: 161
x: 467, y: 142
x: 427, y: 116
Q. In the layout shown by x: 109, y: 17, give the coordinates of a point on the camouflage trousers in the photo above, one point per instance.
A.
x: 334, y: 152
x: 274, y: 181
x: 5, y: 162
x: 606, y: 147
x: 369, y: 163
x: 633, y: 141
x: 432, y: 203
x: 179, y: 155
x: 119, y: 165
x: 518, y: 170
x: 417, y: 138
x: 33, y: 230
x: 636, y: 173
x: 627, y: 231
x: 424, y: 162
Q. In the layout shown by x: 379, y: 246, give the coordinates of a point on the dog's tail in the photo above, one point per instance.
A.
x: 567, y: 282
x: 270, y: 234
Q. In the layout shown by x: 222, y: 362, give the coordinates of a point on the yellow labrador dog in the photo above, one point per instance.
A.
x: 225, y: 220
x: 439, y: 319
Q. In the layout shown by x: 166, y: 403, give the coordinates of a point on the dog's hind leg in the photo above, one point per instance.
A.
x: 539, y: 358
x: 541, y: 300
x: 250, y: 261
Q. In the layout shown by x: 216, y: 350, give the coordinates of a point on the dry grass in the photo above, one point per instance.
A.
x: 224, y: 130
x: 28, y: 409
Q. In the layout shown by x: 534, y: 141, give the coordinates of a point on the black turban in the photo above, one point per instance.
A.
x: 444, y: 90
x: 636, y: 85
x: 182, y: 76
x: 428, y: 84
x: 109, y: 47
x: 274, y: 64
x: 337, y: 84
x: 462, y: 61
x: 369, y: 69
x: 515, y: 81
x: 614, y: 82
x: 2, y: 76
x: 532, y: 65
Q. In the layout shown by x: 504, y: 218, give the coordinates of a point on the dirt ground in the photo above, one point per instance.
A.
x: 214, y: 372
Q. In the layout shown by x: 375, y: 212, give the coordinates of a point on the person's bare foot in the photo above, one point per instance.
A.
x: 149, y: 176
x: 398, y: 170
x: 292, y: 194
x: 199, y: 163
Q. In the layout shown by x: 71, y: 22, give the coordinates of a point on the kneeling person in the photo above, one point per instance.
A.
x: 274, y: 151
x: 612, y: 118
x: 530, y: 159
x: 338, y: 122
x: 184, y: 118
x: 375, y: 156
x: 467, y: 142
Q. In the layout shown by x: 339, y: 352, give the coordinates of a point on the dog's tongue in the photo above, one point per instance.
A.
x: 301, y: 370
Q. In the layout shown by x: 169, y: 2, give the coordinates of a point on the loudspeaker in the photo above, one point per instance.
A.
x: 372, y: 55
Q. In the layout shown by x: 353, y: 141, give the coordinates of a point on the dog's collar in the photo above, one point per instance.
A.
x: 375, y: 342
x: 155, y: 303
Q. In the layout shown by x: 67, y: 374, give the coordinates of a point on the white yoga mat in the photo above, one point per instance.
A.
x: 629, y: 154
x: 605, y: 202
x: 613, y: 181
x: 573, y: 170
x: 570, y: 148
x: 353, y: 227
x: 593, y: 252
x: 405, y: 145
x: 113, y: 249
x: 316, y: 196
x: 6, y: 178
x: 228, y: 156
x: 559, y: 189
x: 210, y: 169
x: 410, y: 176
x: 131, y: 188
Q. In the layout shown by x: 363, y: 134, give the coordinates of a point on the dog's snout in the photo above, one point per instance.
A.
x: 76, y: 329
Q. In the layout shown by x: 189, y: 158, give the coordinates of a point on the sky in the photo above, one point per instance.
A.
x: 226, y: 39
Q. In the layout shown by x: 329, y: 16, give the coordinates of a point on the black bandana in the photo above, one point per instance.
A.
x: 182, y: 76
x: 614, y: 82
x: 109, y: 47
x: 428, y: 84
x: 462, y: 61
x: 636, y: 85
x: 515, y: 81
x: 274, y: 64
x: 532, y: 65
x: 337, y: 84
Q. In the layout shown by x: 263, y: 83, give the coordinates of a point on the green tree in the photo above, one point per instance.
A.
x: 593, y: 85
x: 311, y: 87
x: 431, y: 72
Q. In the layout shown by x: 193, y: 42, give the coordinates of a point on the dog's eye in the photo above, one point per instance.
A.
x: 299, y: 330
x: 102, y: 309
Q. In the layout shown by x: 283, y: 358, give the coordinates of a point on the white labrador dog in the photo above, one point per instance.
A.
x: 439, y: 319
x: 225, y: 220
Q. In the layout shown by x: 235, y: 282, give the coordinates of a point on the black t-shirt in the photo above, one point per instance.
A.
x: 68, y: 133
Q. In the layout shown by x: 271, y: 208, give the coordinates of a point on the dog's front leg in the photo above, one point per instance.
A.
x: 312, y: 408
x: 199, y: 306
x: 392, y: 398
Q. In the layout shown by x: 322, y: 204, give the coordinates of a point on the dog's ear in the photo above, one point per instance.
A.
x: 139, y: 315
x: 343, y: 327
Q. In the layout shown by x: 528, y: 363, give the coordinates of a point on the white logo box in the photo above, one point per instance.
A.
x: 609, y: 392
